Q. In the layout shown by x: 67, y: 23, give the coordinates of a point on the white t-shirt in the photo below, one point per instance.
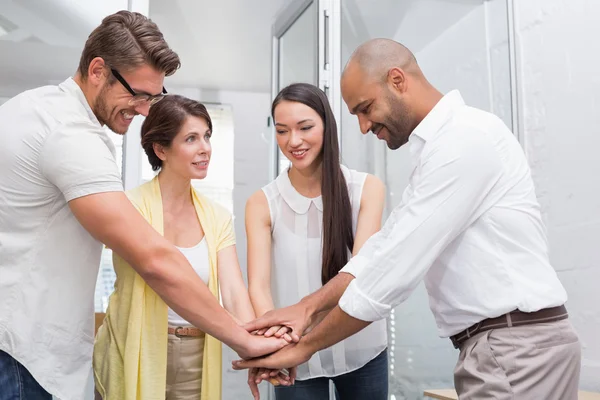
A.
x: 198, y: 258
x: 297, y: 254
x: 53, y: 150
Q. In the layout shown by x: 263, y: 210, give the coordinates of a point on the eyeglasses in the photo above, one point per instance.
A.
x: 138, y: 98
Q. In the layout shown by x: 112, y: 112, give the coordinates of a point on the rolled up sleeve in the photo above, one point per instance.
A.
x: 451, y: 190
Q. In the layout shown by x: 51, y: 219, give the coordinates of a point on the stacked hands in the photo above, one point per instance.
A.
x: 288, y: 325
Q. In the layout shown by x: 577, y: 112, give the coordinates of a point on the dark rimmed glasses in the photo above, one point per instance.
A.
x: 138, y: 99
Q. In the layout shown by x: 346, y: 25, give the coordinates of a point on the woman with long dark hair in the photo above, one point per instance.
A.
x: 302, y: 228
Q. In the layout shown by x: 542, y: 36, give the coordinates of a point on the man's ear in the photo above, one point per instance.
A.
x: 397, y: 79
x: 97, y: 72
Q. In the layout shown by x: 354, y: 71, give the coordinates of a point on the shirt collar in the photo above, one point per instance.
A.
x: 70, y: 86
x: 433, y: 122
x: 295, y: 200
x: 439, y: 115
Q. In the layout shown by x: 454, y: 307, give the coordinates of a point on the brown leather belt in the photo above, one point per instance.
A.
x: 513, y: 318
x: 186, y: 332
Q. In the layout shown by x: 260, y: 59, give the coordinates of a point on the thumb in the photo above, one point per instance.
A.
x: 279, y: 343
x: 295, y: 336
x: 244, y: 364
x: 264, y: 322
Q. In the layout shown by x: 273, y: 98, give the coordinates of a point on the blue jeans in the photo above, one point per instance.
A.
x: 367, y: 383
x: 16, y: 383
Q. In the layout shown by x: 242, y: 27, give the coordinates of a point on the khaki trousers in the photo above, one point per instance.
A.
x: 532, y: 362
x: 184, y: 368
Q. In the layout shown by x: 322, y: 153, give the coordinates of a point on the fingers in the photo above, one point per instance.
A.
x: 277, y: 331
x: 265, y: 322
x: 292, y: 374
x: 245, y: 364
x: 253, y: 384
x: 279, y: 344
x: 281, y: 379
x: 263, y: 373
x: 295, y: 337
x: 275, y: 377
x: 281, y: 331
x: 273, y: 330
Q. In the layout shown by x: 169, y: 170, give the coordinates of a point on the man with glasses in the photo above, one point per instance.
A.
x: 138, y: 98
x: 61, y: 196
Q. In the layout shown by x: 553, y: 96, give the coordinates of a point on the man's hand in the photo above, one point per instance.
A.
x: 296, y: 317
x: 302, y: 315
x: 289, y: 357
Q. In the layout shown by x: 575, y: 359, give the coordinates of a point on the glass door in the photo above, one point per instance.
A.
x: 462, y: 45
x: 306, y: 49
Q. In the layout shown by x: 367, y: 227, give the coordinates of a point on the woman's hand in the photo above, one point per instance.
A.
x: 256, y: 346
x: 275, y: 377
x: 295, y: 318
x: 278, y: 331
x: 288, y: 357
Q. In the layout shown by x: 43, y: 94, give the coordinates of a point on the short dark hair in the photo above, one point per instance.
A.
x: 164, y: 121
x: 126, y: 40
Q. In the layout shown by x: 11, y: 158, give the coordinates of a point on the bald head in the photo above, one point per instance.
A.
x: 377, y: 56
x: 385, y: 88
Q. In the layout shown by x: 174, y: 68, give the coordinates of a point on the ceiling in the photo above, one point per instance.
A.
x: 223, y: 45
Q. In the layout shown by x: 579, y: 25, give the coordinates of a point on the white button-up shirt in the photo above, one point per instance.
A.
x: 469, y: 224
x: 297, y: 254
x: 53, y: 150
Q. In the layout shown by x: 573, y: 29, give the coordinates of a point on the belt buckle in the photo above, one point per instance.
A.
x: 177, y: 331
x: 475, y: 328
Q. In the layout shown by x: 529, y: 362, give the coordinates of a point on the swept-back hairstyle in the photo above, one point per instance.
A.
x: 126, y: 40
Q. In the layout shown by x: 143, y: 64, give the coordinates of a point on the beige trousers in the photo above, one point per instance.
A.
x: 531, y: 362
x: 184, y: 368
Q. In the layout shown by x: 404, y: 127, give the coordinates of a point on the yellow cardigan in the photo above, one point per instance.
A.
x: 130, y: 353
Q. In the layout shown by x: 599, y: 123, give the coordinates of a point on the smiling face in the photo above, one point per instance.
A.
x: 299, y: 133
x: 112, y: 105
x: 382, y: 106
x: 188, y: 155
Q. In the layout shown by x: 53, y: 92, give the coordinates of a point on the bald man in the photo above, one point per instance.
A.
x: 469, y: 225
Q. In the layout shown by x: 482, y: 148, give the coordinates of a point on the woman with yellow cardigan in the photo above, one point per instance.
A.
x: 144, y: 350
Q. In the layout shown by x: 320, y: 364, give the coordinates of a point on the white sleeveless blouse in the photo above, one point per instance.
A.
x: 296, y: 229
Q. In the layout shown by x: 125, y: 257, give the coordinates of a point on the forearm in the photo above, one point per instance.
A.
x: 182, y: 289
x: 328, y: 296
x: 334, y: 328
x: 240, y: 306
x: 316, y: 320
x: 261, y: 299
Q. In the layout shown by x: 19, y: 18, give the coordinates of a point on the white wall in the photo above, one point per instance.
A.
x: 559, y: 58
